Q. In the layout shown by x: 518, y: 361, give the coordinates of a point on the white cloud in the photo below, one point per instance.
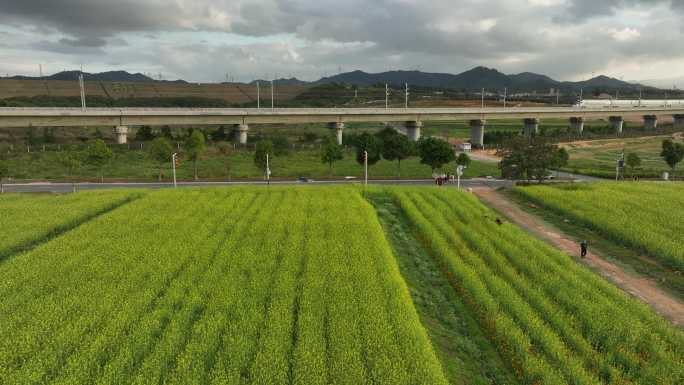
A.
x: 623, y: 35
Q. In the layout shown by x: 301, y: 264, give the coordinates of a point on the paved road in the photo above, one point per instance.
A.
x: 69, y: 187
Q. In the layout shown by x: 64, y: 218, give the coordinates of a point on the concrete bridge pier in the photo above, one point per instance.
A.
x: 679, y: 121
x: 577, y: 125
x: 650, y: 122
x: 477, y: 128
x: 413, y: 129
x: 531, y: 126
x: 339, y: 126
x: 617, y: 123
x: 242, y: 133
x: 121, y: 133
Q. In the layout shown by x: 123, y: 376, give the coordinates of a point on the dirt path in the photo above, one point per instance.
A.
x: 642, y: 288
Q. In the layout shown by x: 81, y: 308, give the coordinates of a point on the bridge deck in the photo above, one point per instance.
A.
x: 23, y: 117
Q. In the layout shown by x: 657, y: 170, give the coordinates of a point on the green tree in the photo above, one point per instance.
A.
x: 160, y: 152
x: 144, y: 134
x: 331, y: 152
x: 395, y: 146
x: 463, y: 159
x: 98, y: 155
x: 226, y: 149
x: 194, y: 147
x: 48, y: 135
x: 4, y: 173
x: 281, y: 146
x: 672, y: 153
x: 560, y: 158
x: 31, y: 138
x: 435, y: 152
x: 632, y: 162
x: 369, y: 143
x: 263, y: 147
x: 71, y: 160
x: 529, y: 158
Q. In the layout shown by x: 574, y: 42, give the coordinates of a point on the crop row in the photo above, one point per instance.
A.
x: 646, y: 216
x: 30, y: 219
x: 553, y: 320
x: 229, y: 286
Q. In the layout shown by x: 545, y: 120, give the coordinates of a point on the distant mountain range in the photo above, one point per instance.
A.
x: 282, y: 82
x: 109, y: 76
x: 471, y: 80
x: 476, y: 79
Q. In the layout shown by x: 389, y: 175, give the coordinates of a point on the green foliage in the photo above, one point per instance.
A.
x: 530, y: 158
x: 633, y: 162
x: 560, y: 158
x: 369, y: 143
x: 4, y: 169
x: 435, y: 152
x: 71, y: 160
x: 331, y: 153
x: 31, y: 138
x: 48, y: 135
x: 263, y: 147
x: 281, y: 146
x: 672, y: 153
x: 226, y: 149
x: 101, y: 101
x: 160, y: 151
x: 144, y: 134
x: 395, y: 146
x: 310, y: 137
x: 194, y: 147
x: 552, y: 319
x: 463, y: 159
x: 98, y: 155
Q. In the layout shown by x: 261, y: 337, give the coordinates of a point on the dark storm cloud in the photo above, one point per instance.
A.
x: 89, y: 20
x: 311, y: 37
x: 579, y: 10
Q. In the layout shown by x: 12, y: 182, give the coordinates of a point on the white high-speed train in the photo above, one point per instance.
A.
x: 629, y: 103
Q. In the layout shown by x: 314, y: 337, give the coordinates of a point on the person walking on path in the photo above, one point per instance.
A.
x: 583, y: 248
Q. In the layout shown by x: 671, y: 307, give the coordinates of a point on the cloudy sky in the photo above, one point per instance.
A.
x: 211, y: 40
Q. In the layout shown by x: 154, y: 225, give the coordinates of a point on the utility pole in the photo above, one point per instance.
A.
x: 272, y: 93
x: 173, y: 166
x: 258, y: 95
x: 406, y: 95
x: 82, y: 87
x: 505, y: 95
x: 459, y: 173
x: 268, y: 172
x: 620, y: 164
x: 483, y: 98
x: 365, y: 167
x: 386, y: 96
x: 557, y: 97
x: 40, y: 69
x: 581, y: 94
